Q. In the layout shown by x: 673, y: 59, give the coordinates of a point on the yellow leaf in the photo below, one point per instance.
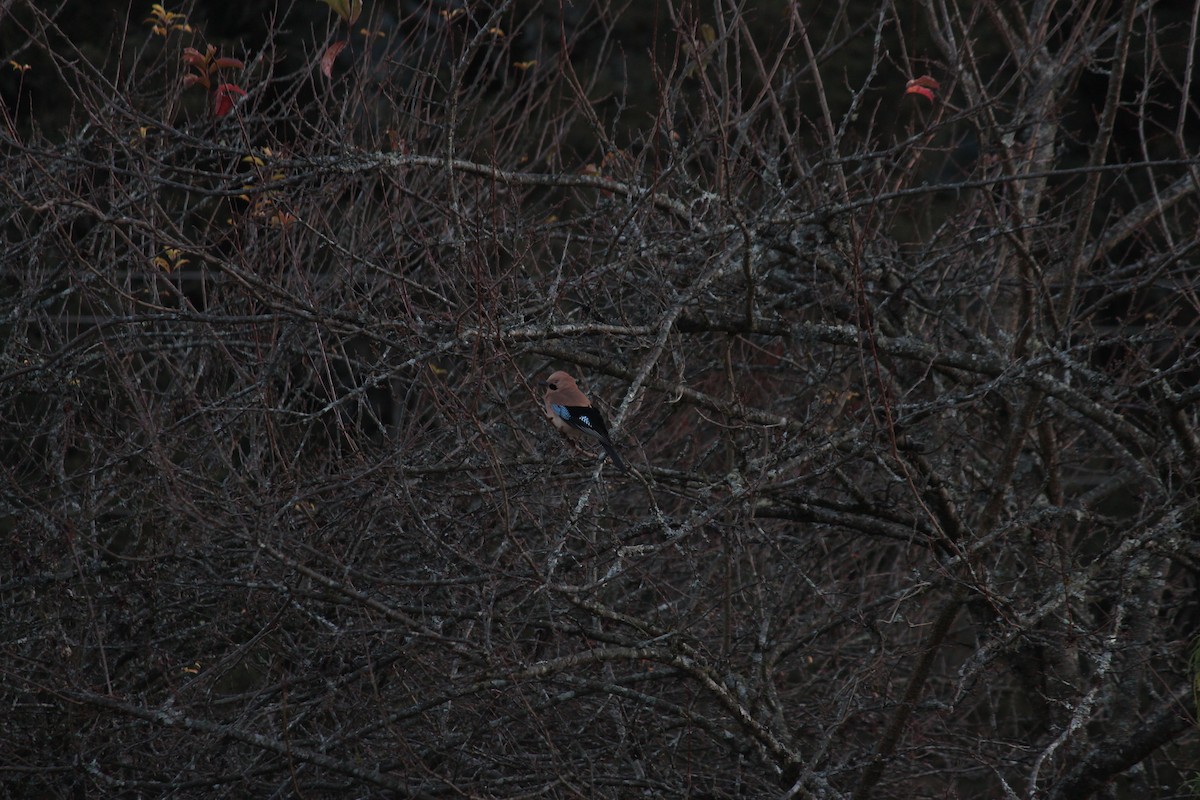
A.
x: 523, y: 65
x: 438, y: 372
x: 171, y: 260
x: 348, y: 10
x: 162, y: 21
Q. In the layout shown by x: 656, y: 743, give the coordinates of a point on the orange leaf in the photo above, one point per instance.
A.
x: 193, y: 57
x: 327, y: 60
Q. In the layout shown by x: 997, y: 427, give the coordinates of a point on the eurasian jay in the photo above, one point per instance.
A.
x: 572, y: 413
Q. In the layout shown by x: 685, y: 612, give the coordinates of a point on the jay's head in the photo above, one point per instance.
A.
x: 559, y: 380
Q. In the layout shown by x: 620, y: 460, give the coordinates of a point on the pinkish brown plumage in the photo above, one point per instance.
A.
x: 572, y: 413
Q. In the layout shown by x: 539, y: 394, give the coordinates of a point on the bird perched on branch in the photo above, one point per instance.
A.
x: 572, y: 413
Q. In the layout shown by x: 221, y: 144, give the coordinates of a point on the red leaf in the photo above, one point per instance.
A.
x: 923, y: 86
x: 223, y: 98
x: 331, y: 53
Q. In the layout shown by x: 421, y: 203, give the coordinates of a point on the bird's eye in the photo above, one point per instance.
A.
x: 553, y: 388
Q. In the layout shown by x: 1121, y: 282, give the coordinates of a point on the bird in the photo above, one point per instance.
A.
x: 572, y: 413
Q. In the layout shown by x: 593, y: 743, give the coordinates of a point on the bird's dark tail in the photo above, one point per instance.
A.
x: 616, y: 459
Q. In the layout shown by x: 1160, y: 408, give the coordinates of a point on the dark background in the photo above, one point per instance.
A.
x: 908, y: 387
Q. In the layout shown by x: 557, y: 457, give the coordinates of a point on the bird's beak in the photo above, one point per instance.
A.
x: 543, y: 384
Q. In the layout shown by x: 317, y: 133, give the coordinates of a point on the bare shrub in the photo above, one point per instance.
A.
x: 892, y: 310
